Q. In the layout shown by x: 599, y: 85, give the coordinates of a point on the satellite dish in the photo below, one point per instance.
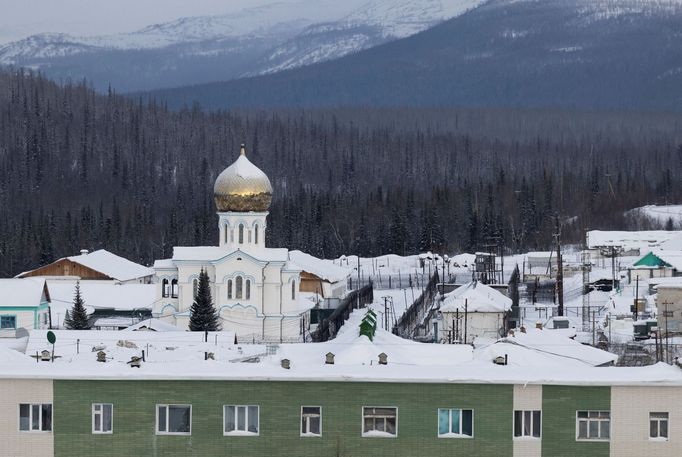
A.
x: 51, y: 338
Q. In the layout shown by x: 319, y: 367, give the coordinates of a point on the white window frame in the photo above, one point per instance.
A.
x: 459, y: 435
x: 40, y: 418
x: 592, y: 419
x: 368, y: 434
x: 167, y: 406
x: 659, y: 420
x: 101, y: 419
x: 523, y: 420
x: 309, y: 434
x: 246, y: 432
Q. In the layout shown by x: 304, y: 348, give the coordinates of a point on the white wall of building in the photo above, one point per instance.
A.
x: 527, y: 397
x: 13, y: 442
x: 630, y: 408
x: 484, y: 325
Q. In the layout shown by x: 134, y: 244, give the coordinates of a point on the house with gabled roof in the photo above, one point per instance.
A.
x: 24, y: 305
x: 97, y: 265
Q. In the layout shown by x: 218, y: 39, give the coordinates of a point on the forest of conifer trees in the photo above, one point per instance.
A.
x: 82, y: 170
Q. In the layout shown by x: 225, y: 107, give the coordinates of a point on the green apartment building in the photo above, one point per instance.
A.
x: 350, y: 397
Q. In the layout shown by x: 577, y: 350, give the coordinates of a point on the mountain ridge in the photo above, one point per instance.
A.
x: 555, y: 53
x: 254, y: 41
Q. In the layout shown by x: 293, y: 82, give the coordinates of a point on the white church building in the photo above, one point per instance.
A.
x: 254, y: 288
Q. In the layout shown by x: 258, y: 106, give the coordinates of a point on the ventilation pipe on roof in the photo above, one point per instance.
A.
x: 286, y: 363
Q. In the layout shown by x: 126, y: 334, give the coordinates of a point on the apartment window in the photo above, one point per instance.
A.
x: 527, y: 424
x: 229, y: 289
x: 658, y: 426
x: 174, y: 288
x: 593, y: 425
x: 164, y: 288
x: 455, y: 423
x: 247, y: 291
x: 379, y: 422
x: 173, y: 419
x: 239, y: 282
x: 35, y: 417
x: 240, y: 420
x: 102, y: 417
x: 311, y: 421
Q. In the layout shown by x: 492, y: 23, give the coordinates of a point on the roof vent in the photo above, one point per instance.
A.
x: 383, y: 359
x: 538, y: 325
x: 329, y: 358
x: 523, y: 329
x: 101, y: 356
x: 500, y: 360
x: 45, y: 355
x: 84, y: 252
x: 286, y: 364
x: 135, y: 362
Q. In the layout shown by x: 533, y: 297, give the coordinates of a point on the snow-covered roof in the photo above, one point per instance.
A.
x: 213, y: 253
x: 114, y: 266
x: 323, y: 269
x: 101, y: 295
x: 180, y: 356
x: 673, y: 244
x: 477, y: 298
x: 628, y: 240
x: 163, y: 264
x: 22, y: 292
x: 124, y: 322
x: 155, y: 325
x: 548, y: 342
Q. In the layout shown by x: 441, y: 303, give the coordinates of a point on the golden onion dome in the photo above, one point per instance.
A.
x: 242, y: 187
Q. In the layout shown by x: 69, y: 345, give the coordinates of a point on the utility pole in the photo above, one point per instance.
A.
x: 560, y: 267
x: 667, y: 340
x: 636, y: 298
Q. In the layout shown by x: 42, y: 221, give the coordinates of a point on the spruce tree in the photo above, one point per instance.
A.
x: 78, y: 319
x: 203, y: 316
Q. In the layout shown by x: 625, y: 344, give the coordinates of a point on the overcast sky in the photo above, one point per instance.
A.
x: 22, y: 18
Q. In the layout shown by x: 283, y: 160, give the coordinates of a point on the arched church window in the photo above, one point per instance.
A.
x: 255, y: 234
x: 249, y: 236
x: 195, y: 288
x: 174, y: 288
x: 231, y: 235
x: 227, y: 233
x: 247, y: 293
x: 164, y: 288
x: 293, y: 290
x: 241, y: 233
x: 238, y: 287
x: 229, y: 289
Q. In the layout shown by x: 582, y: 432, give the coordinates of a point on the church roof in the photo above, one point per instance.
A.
x: 242, y: 187
x: 212, y: 253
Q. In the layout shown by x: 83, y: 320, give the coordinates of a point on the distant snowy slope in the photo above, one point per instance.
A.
x: 374, y: 23
x: 258, y: 40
